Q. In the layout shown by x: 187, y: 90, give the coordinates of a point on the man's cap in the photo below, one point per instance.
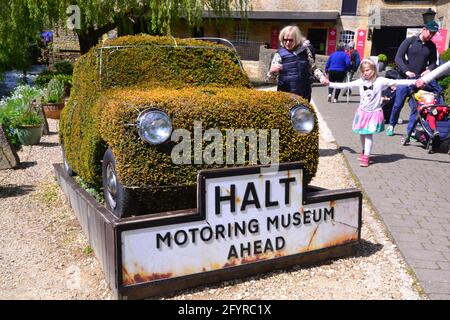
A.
x: 432, y: 26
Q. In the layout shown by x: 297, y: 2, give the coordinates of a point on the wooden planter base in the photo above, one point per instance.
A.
x: 53, y: 110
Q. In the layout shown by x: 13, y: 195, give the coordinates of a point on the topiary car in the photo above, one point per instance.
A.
x: 134, y: 103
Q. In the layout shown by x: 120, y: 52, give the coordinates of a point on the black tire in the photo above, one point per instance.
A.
x: 67, y: 168
x: 117, y: 198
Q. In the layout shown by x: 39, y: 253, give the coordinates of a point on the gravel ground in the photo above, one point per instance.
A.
x: 45, y: 255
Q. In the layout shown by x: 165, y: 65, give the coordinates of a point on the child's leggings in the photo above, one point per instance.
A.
x: 366, y: 142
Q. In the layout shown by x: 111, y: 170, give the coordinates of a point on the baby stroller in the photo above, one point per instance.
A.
x: 432, y: 125
x: 388, y: 97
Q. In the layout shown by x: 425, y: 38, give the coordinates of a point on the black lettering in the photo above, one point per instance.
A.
x: 269, y: 203
x: 231, y: 198
x: 317, y: 217
x: 287, y: 189
x: 286, y: 223
x: 184, y: 237
x: 328, y: 213
x: 306, y: 217
x: 165, y: 239
x: 194, y: 234
x: 247, y: 249
x: 279, y: 243
x: 239, y: 229
x: 246, y: 201
x: 258, y: 247
x: 272, y: 222
x: 232, y: 253
x: 219, y: 231
x: 297, y: 219
x: 268, y: 246
x: 253, y: 226
x: 202, y: 234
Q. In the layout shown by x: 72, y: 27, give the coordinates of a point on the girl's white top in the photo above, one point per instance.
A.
x: 370, y: 92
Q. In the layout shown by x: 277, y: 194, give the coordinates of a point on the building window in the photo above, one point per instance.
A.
x: 347, y: 36
x: 349, y: 7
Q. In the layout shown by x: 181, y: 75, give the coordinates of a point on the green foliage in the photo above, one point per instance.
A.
x: 445, y: 55
x: 192, y: 81
x: 54, y: 92
x: 18, y: 110
x: 382, y: 57
x: 64, y: 67
x: 21, y: 21
x: 44, y: 78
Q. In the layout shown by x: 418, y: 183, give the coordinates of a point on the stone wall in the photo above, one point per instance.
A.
x: 65, y: 45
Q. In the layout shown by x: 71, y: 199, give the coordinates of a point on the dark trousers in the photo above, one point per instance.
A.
x: 336, y: 76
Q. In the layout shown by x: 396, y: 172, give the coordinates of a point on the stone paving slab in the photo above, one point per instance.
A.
x: 408, y: 187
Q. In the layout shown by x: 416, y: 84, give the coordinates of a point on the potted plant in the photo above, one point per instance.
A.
x: 28, y: 126
x: 18, y: 110
x: 53, y: 99
x: 382, y: 60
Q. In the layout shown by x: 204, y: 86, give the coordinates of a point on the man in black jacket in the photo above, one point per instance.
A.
x: 415, y: 57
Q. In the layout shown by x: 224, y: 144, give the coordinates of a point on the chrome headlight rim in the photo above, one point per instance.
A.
x: 143, y: 133
x: 303, y: 123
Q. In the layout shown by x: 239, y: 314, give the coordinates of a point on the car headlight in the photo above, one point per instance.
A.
x: 154, y: 126
x: 302, y: 119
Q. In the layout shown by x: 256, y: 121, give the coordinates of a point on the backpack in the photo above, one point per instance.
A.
x: 353, y: 56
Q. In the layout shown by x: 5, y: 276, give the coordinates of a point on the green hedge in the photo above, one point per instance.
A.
x: 190, y: 84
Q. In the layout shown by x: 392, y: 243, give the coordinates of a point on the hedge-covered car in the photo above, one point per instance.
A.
x: 133, y: 96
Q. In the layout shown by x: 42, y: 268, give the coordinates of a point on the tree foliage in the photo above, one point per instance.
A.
x: 22, y: 20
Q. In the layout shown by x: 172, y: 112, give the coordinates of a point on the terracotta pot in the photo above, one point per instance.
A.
x: 53, y: 110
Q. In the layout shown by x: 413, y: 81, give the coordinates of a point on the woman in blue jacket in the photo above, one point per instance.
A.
x: 338, y: 64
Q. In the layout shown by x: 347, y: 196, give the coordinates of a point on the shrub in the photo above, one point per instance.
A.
x: 64, y: 67
x: 382, y: 57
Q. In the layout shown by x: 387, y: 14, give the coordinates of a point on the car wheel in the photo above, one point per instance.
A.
x: 67, y: 168
x: 117, y: 198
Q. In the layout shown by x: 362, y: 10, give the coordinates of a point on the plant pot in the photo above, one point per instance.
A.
x: 53, y: 110
x: 29, y: 135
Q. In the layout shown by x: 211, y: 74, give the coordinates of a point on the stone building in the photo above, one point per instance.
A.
x: 376, y: 26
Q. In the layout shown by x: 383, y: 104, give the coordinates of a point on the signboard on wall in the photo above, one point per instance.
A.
x: 332, y: 35
x: 439, y: 40
x: 361, y: 41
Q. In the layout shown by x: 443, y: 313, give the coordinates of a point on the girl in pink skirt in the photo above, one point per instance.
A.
x: 369, y: 115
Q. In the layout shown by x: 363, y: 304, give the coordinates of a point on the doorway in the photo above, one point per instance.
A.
x: 318, y: 38
x: 387, y: 40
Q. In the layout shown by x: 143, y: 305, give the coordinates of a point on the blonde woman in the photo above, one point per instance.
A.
x: 369, y: 117
x: 294, y: 64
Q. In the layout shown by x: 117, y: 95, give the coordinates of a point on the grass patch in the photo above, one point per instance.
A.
x: 91, y: 189
x: 88, y: 250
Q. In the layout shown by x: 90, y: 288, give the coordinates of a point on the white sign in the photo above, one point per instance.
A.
x: 245, y: 218
x: 412, y: 32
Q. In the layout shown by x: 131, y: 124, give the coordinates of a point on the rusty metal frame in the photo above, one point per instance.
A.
x: 103, y: 231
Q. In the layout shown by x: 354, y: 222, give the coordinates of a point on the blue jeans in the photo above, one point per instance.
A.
x: 400, y: 96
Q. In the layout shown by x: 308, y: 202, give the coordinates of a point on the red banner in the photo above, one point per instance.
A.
x: 361, y: 42
x: 332, y: 35
x: 439, y: 40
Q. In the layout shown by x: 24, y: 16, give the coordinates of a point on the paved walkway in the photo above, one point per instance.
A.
x: 409, y: 188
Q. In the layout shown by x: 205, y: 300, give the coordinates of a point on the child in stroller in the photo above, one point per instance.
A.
x: 432, y: 125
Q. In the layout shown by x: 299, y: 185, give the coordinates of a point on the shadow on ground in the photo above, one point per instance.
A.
x: 14, y: 190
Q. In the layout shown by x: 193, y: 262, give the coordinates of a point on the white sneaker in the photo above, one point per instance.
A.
x: 334, y: 100
x: 329, y: 98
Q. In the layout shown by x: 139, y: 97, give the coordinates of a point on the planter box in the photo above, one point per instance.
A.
x: 230, y: 235
x: 53, y: 110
